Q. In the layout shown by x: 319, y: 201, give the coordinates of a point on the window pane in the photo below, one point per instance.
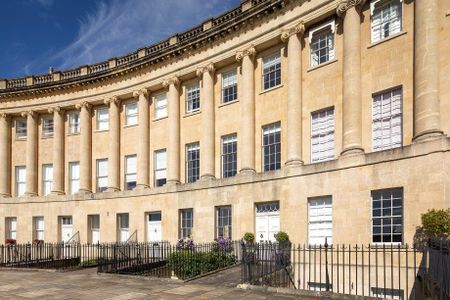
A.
x: 387, y: 218
x: 271, y: 76
x: 192, y: 162
x: 271, y: 149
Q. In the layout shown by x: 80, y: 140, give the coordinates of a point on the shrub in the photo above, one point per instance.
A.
x: 222, y: 245
x: 188, y: 264
x: 185, y: 244
x: 249, y: 237
x: 436, y: 223
x: 282, y: 237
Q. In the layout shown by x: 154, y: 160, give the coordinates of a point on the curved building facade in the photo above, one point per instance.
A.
x: 321, y: 118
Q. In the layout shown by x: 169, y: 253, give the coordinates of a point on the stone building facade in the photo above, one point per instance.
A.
x: 321, y: 118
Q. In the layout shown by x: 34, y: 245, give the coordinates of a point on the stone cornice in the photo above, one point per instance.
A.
x: 344, y: 5
x: 250, y: 51
x: 177, y: 45
x: 171, y: 81
x: 297, y: 29
x: 208, y: 68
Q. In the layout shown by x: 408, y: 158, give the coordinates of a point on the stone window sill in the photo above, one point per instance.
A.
x: 322, y: 65
x: 228, y: 103
x: 271, y: 89
x: 44, y: 137
x: 102, y: 130
x: 192, y: 113
x: 130, y: 126
x: 160, y: 118
x: 75, y: 133
x: 387, y: 39
x: 21, y: 138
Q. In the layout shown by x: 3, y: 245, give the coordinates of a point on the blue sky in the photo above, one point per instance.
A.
x: 37, y: 34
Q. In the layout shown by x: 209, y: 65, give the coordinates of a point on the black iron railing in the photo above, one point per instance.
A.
x: 438, y: 271
x: 161, y: 259
x: 385, y: 271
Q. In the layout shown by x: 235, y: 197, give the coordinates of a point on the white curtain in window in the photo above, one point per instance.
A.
x: 386, y: 18
x: 39, y: 223
x: 47, y: 173
x: 21, y: 180
x: 102, y: 119
x: 160, y: 164
x: 322, y: 136
x: 320, y: 217
x: 160, y: 106
x: 387, y: 120
x: 74, y: 177
x: 131, y: 110
x: 131, y: 168
x: 102, y: 172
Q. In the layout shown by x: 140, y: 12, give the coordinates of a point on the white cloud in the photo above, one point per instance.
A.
x: 118, y: 27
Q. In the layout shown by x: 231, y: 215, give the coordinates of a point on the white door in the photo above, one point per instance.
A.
x: 154, y: 227
x: 267, y: 222
x: 66, y: 229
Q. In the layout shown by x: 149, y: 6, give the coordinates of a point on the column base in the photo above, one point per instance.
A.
x: 427, y: 135
x: 31, y: 194
x: 354, y: 150
x: 207, y: 177
x: 171, y: 182
x: 4, y: 195
x: 294, y: 162
x: 84, y: 192
x: 112, y: 189
x: 57, y: 193
x: 247, y: 171
x: 142, y: 186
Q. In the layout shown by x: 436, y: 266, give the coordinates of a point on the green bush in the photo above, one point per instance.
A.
x: 282, y: 237
x: 188, y: 264
x: 249, y: 237
x: 436, y: 223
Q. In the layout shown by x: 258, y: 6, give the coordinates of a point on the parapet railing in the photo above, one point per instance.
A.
x: 153, y: 50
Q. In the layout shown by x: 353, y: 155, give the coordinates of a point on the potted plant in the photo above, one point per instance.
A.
x: 283, y: 255
x: 249, y: 248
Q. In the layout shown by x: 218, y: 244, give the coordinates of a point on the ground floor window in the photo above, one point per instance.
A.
x: 123, y: 227
x: 38, y: 224
x: 11, y: 228
x: 387, y: 216
x: 94, y: 226
x: 223, y: 222
x: 186, y: 223
x: 320, y: 221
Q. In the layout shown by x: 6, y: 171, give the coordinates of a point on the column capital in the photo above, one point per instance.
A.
x: 296, y: 29
x: 56, y: 109
x: 84, y: 104
x: 30, y: 113
x: 250, y: 51
x: 140, y: 92
x: 112, y: 100
x: 4, y: 116
x: 171, y: 81
x: 208, y: 68
x: 344, y: 5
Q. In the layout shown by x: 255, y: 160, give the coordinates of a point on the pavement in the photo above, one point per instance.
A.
x: 86, y: 284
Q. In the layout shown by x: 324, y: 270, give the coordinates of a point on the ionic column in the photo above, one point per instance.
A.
x: 5, y: 156
x: 294, y: 108
x: 114, y: 144
x: 173, y: 151
x: 58, y: 150
x: 426, y: 70
x: 247, y: 127
x: 31, y: 153
x: 207, y: 139
x: 143, y: 175
x: 85, y: 147
x: 352, y: 122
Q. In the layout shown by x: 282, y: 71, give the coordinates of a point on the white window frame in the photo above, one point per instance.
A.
x: 47, y: 126
x: 267, y: 130
x: 228, y: 139
x: 390, y: 216
x: 227, y: 229
x: 21, y: 184
x: 120, y: 222
x: 74, y: 122
x: 127, y: 172
x: 11, y: 233
x: 190, y: 89
x: 374, y: 4
x: 102, y: 124
x: 47, y: 183
x: 101, y: 177
x: 322, y: 136
x: 73, y: 182
x: 267, y: 62
x: 182, y: 220
x: 392, y: 119
x: 229, y: 81
x: 190, y: 148
x: 129, y: 115
x: 160, y: 101
x: 160, y: 171
x: 317, y: 30
x: 38, y: 233
x: 325, y: 202
x: 93, y: 227
x: 21, y: 131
